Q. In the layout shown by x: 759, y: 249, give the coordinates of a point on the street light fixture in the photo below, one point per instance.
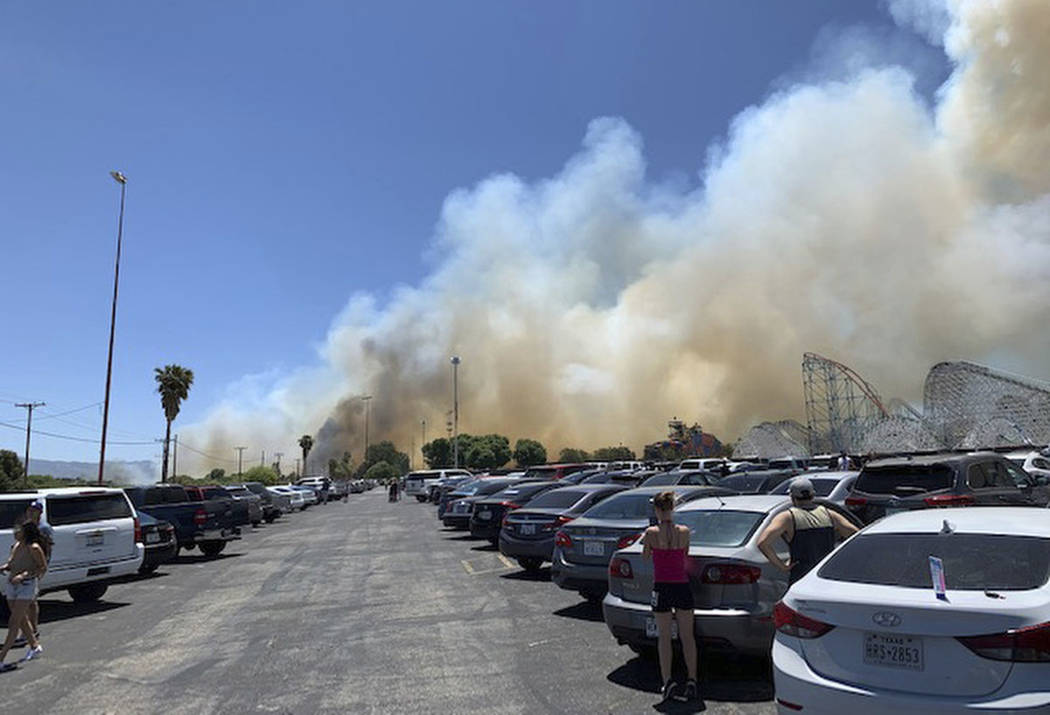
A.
x: 123, y: 181
x: 455, y: 410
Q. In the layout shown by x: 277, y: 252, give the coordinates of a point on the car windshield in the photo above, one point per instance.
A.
x: 557, y: 499
x: 821, y: 487
x: 622, y: 506
x: 718, y: 527
x: 904, y: 477
x: 972, y: 562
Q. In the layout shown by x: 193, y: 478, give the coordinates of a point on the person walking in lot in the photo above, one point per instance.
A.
x: 808, y: 528
x: 35, y: 513
x: 667, y: 544
x: 24, y: 567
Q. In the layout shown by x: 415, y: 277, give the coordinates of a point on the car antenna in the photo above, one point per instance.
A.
x: 948, y: 527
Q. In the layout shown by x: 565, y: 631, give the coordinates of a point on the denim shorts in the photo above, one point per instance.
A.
x: 25, y: 591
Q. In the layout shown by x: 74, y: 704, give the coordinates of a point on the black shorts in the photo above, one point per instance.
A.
x: 671, y: 595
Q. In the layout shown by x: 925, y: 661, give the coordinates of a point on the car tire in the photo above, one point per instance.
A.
x: 87, y: 592
x: 420, y: 499
x: 147, y: 570
x: 531, y: 564
x: 593, y: 597
x: 212, y: 548
x: 645, y: 652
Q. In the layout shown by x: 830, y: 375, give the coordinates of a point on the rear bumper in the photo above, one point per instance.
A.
x: 456, y: 521
x: 578, y: 577
x: 797, y: 684
x: 58, y: 578
x: 484, y: 529
x: 534, y: 548
x: 729, y: 628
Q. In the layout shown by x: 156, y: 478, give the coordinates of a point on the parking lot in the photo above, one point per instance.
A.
x: 363, y: 606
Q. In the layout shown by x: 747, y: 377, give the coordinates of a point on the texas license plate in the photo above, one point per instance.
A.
x: 651, y: 631
x: 893, y: 651
x: 527, y: 529
x: 593, y: 548
x: 96, y: 539
x: 152, y: 538
x: 485, y: 515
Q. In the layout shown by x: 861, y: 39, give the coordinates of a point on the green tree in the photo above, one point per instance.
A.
x: 614, y: 454
x: 384, y: 451
x: 263, y: 475
x: 528, y: 452
x: 438, y: 453
x: 489, y: 451
x: 571, y: 454
x: 342, y: 468
x: 216, y: 475
x: 11, y: 470
x: 382, y: 472
x: 306, y: 443
x: 173, y: 384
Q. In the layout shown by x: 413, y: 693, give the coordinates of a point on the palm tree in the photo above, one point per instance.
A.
x: 173, y: 384
x: 307, y: 443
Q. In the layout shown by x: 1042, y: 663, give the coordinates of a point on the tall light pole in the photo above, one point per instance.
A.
x: 123, y: 181
x: 423, y: 423
x: 367, y: 399
x: 30, y: 406
x: 240, y: 459
x: 455, y: 410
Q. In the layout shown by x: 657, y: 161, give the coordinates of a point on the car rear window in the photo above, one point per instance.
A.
x: 972, y: 562
x: 540, y: 473
x: 717, y: 527
x: 79, y: 509
x: 558, y: 499
x: 622, y: 506
x: 821, y: 487
x: 486, y: 488
x: 12, y: 511
x: 744, y: 483
x: 904, y: 478
x: 662, y: 479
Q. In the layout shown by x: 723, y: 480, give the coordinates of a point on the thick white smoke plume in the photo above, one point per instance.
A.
x: 848, y: 218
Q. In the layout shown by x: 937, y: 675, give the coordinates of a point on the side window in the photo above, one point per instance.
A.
x: 1015, y: 475
x: 1040, y: 463
x: 976, y: 477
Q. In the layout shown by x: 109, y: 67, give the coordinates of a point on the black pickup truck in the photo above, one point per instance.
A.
x: 239, y: 510
x: 207, y: 524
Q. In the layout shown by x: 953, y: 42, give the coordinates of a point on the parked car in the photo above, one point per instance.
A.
x: 459, y: 510
x: 796, y: 464
x: 207, y: 524
x: 487, y: 516
x: 296, y: 500
x: 267, y: 500
x: 626, y: 477
x: 693, y: 477
x: 255, y: 510
x: 545, y: 472
x: 159, y: 540
x: 706, y: 464
x: 734, y: 585
x: 240, y: 514
x: 309, y: 495
x: 451, y: 494
x: 447, y: 484
x: 865, y: 632
x: 96, y: 532
x: 582, y: 547
x: 320, y: 485
x: 527, y: 534
x: 760, y: 481
x: 418, y: 483
x: 1034, y: 462
x: 581, y: 476
x: 282, y: 500
x: 358, y: 486
x: 339, y: 490
x: 833, y: 486
x: 887, y: 486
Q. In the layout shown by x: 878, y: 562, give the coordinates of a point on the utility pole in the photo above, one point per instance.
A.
x: 262, y: 458
x: 278, y: 455
x: 423, y: 424
x: 123, y: 181
x: 175, y: 457
x: 455, y: 410
x: 30, y: 406
x: 368, y: 401
x: 296, y: 467
x: 240, y: 459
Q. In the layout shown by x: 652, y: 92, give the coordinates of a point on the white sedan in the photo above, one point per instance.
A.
x: 866, y: 632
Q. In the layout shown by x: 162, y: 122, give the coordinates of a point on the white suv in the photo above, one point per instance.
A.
x: 97, y: 537
x: 417, y: 484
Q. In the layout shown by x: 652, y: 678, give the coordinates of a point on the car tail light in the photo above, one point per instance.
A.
x: 1023, y: 645
x: 510, y: 505
x: 792, y: 623
x: 563, y: 540
x: 856, y: 501
x: 731, y: 574
x: 138, y: 531
x: 950, y: 500
x: 562, y: 520
x: 626, y: 541
x: 200, y: 518
x: 620, y: 568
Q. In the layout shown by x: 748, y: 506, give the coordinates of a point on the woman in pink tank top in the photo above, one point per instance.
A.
x: 667, y: 544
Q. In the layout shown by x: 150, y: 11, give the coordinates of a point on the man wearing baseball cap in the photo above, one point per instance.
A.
x: 808, y: 528
x: 35, y: 514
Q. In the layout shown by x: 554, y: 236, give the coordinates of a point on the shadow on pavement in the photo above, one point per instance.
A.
x: 460, y: 536
x: 582, y: 611
x: 55, y: 610
x: 724, y: 678
x: 135, y: 577
x: 484, y: 547
x: 543, y: 574
x: 192, y: 558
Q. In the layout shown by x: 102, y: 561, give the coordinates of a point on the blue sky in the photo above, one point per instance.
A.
x: 282, y: 157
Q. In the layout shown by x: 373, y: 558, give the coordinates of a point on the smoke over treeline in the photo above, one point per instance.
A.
x: 847, y: 217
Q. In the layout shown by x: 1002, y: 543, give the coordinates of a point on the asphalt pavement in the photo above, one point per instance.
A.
x: 364, y: 606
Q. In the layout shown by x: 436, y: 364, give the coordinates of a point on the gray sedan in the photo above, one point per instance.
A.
x: 734, y: 586
x: 833, y: 486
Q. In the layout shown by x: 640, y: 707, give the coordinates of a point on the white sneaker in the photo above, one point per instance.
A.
x: 32, y: 653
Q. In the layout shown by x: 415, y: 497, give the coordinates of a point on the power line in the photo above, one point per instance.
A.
x: 66, y: 436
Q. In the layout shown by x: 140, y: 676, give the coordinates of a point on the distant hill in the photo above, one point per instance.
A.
x: 140, y: 472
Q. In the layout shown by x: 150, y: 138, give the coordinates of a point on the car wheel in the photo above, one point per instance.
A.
x: 147, y: 570
x: 212, y: 548
x: 531, y: 564
x: 421, y: 499
x: 593, y: 597
x: 87, y: 592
